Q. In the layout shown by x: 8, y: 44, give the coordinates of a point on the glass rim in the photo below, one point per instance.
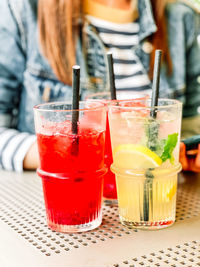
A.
x: 138, y: 173
x: 39, y: 107
x: 174, y: 103
x: 140, y: 96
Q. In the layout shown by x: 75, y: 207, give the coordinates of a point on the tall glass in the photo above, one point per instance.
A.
x: 109, y: 188
x: 71, y: 164
x: 145, y: 145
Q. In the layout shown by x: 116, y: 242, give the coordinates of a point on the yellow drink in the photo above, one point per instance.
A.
x: 137, y: 194
x: 145, y: 162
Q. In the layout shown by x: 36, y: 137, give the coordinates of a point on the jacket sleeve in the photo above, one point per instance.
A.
x: 12, y: 64
x: 13, y: 144
x: 192, y: 95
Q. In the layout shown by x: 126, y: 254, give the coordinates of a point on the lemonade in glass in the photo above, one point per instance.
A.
x: 145, y: 161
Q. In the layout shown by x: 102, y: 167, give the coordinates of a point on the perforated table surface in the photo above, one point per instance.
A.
x: 26, y: 241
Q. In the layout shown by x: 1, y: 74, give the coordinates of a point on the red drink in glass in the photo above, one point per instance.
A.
x: 109, y: 186
x: 72, y: 170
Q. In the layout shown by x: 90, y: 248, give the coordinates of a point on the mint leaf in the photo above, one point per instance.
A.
x: 169, y: 146
x: 152, y: 129
x: 160, y: 147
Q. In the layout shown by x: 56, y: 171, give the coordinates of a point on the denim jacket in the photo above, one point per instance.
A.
x: 26, y: 76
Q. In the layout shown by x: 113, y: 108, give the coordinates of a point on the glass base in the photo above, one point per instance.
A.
x: 75, y: 228
x: 110, y: 202
x: 147, y: 225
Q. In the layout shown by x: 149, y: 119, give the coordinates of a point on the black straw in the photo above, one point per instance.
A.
x: 111, y: 76
x: 156, y: 83
x: 75, y: 108
x: 75, y: 98
x: 152, y: 130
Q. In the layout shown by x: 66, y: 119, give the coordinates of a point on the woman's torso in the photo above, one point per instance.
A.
x: 40, y: 84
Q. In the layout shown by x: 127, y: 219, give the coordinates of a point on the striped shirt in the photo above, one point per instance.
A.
x: 121, y: 39
x: 13, y: 148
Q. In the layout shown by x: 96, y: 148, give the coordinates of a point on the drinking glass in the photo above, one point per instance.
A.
x: 145, y: 146
x: 71, y: 164
x: 109, y: 189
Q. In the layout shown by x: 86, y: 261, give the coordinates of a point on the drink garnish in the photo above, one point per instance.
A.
x: 130, y: 156
x: 170, y: 144
x: 152, y: 134
x: 162, y: 147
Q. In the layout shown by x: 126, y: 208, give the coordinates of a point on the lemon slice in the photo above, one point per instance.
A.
x: 171, y: 192
x: 132, y: 156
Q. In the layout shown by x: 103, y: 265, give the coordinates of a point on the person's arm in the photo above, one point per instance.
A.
x: 14, y: 145
x: 31, y: 160
x: 190, y: 160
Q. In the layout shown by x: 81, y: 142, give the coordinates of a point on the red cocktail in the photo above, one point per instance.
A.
x: 72, y: 167
x: 109, y: 186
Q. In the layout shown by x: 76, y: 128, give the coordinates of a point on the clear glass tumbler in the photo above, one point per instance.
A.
x: 109, y: 188
x: 71, y: 164
x: 145, y: 145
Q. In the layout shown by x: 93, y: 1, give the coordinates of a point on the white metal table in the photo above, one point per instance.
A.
x: 26, y: 241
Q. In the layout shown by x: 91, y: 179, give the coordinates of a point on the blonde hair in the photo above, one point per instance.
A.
x: 58, y: 22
